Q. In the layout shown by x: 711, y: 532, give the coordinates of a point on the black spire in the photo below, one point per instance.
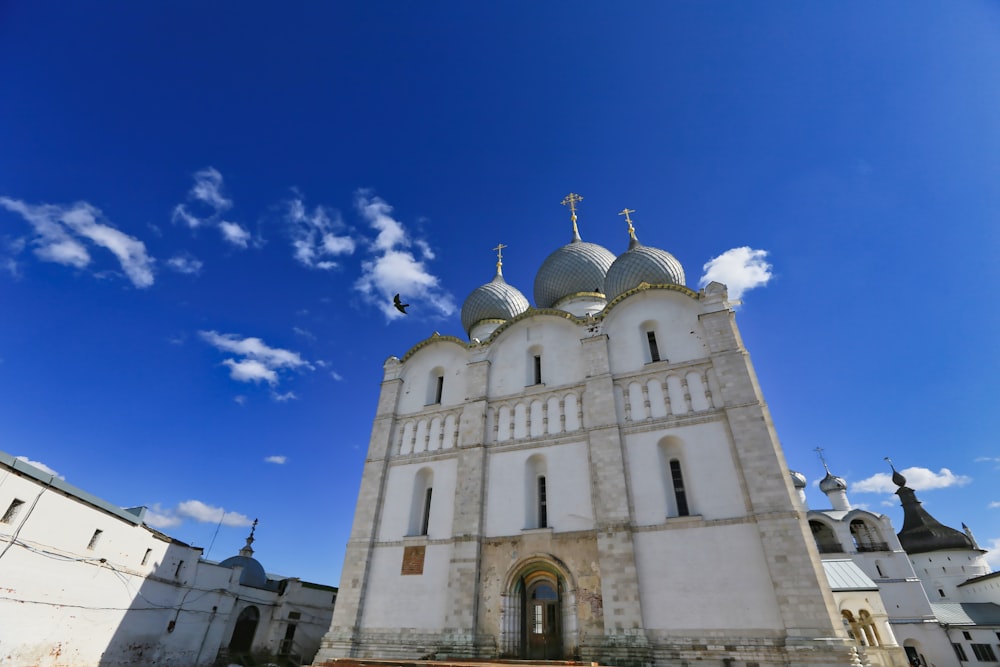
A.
x: 921, y: 532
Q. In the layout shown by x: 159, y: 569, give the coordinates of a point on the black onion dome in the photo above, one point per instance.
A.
x: 496, y: 300
x: 921, y: 532
x: 574, y: 268
x: 642, y: 264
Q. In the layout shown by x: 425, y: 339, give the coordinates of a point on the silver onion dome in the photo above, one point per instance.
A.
x: 496, y: 300
x: 832, y: 483
x: 641, y: 264
x: 574, y: 268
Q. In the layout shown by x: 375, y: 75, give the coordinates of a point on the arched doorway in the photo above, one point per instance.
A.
x: 246, y: 628
x: 538, y: 611
x: 542, y: 618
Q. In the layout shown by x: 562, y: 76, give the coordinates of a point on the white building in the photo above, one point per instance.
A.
x: 86, y: 583
x: 597, y: 477
x: 929, y: 586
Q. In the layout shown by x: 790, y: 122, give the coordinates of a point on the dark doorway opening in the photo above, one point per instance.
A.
x: 542, y: 620
x: 246, y: 628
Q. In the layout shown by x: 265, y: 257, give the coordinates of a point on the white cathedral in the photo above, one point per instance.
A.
x: 596, y: 478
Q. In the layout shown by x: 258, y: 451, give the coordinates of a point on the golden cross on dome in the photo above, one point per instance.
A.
x: 499, y: 251
x: 571, y: 200
x: 631, y: 229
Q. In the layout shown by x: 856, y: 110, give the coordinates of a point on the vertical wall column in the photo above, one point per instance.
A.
x: 622, y: 606
x: 461, y: 608
x: 804, y: 599
x: 342, y: 639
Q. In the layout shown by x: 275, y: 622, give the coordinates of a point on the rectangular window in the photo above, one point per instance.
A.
x: 654, y: 351
x: 425, y: 524
x: 679, y: 495
x: 145, y: 558
x: 538, y: 369
x: 984, y: 653
x: 439, y: 389
x: 94, y: 538
x: 959, y: 652
x: 543, y: 512
x: 537, y: 626
x: 967, y: 636
x: 12, y: 511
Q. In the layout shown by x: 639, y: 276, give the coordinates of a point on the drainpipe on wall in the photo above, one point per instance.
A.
x: 204, y: 638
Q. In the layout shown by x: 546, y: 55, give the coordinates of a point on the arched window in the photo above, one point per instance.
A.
x: 420, y: 507
x: 651, y: 349
x: 826, y: 541
x: 536, y: 492
x: 677, y: 491
x: 867, y: 625
x: 866, y: 537
x: 435, y: 386
x: 534, y: 375
x: 246, y: 628
x: 851, y: 626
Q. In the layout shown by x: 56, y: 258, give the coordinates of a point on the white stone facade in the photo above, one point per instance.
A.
x: 87, y: 584
x: 605, y: 488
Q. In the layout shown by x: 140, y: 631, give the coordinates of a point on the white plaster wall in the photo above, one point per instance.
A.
x: 711, y: 481
x: 679, y: 335
x: 705, y: 577
x: 417, y: 390
x: 557, y: 341
x: 396, y: 601
x: 399, y: 499
x: 945, y: 570
x: 569, y: 505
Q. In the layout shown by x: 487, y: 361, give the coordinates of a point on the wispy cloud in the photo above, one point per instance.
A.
x: 306, y: 334
x: 207, y: 195
x: 318, y: 236
x: 993, y: 505
x: 60, y: 234
x: 393, y: 268
x: 240, y: 400
x: 278, y: 460
x: 284, y: 398
x: 161, y: 517
x: 739, y: 269
x: 918, y: 479
x: 41, y: 466
x: 993, y: 553
x: 185, y: 263
x: 257, y: 361
x: 336, y: 376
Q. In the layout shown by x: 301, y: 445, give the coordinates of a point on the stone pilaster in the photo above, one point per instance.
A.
x: 341, y: 640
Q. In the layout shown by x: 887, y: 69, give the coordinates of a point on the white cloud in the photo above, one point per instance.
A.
x: 306, y: 334
x: 279, y: 460
x: 160, y: 517
x: 241, y: 399
x: 61, y: 230
x: 918, y: 479
x: 41, y: 466
x: 993, y: 554
x: 259, y: 361
x: 995, y: 504
x: 250, y: 370
x: 207, y: 194
x: 315, y: 238
x: 284, y: 398
x: 336, y: 376
x: 234, y: 234
x: 185, y: 264
x: 394, y: 269
x: 739, y: 269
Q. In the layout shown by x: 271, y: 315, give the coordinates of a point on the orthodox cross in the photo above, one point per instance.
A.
x: 819, y: 450
x: 571, y: 200
x: 631, y: 229
x: 499, y: 251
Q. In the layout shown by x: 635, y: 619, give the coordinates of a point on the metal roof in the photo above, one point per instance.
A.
x: 844, y: 575
x: 967, y: 613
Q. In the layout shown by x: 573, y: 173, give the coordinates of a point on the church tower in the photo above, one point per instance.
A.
x: 596, y: 478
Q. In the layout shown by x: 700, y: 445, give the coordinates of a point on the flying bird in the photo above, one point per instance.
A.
x: 400, y: 306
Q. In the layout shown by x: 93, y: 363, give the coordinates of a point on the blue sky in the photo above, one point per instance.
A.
x: 205, y: 208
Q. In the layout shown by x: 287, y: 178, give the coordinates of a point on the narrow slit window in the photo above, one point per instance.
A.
x: 177, y: 572
x: 679, y: 493
x: 145, y: 557
x: 439, y: 389
x: 425, y: 523
x: 543, y: 510
x: 94, y: 539
x: 654, y: 351
x: 538, y: 368
x: 12, y: 511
